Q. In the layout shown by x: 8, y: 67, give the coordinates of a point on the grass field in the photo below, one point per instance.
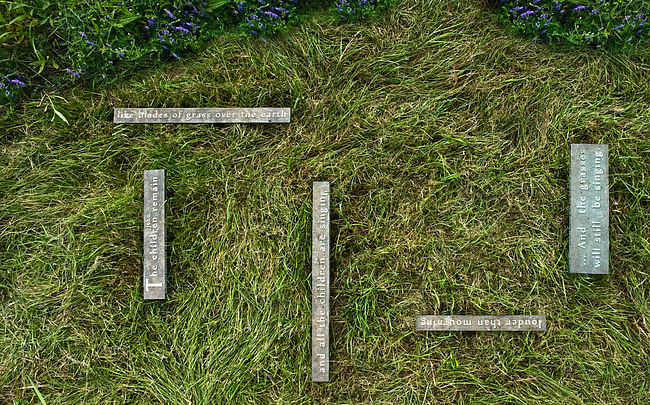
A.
x: 446, y: 141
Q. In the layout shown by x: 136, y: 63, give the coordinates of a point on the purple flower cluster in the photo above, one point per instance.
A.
x: 573, y: 21
x: 344, y: 7
x: 72, y: 73
x: 150, y: 21
x: 176, y: 29
x: 355, y: 8
x: 263, y: 16
x: 94, y: 41
x: 240, y: 7
x: 171, y: 31
x: 10, y: 84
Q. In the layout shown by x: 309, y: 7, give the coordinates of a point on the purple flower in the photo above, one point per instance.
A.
x: 83, y: 34
x: 169, y: 13
x: 72, y: 72
x: 619, y: 27
x: 17, y: 82
x: 595, y: 11
x: 90, y: 43
x: 174, y: 55
x: 165, y: 48
x: 580, y: 8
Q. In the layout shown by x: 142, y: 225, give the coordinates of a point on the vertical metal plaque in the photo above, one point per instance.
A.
x: 154, y: 261
x: 589, y: 220
x: 320, y: 282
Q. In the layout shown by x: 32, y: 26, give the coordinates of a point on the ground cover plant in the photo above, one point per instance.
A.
x: 59, y: 42
x: 357, y: 9
x: 446, y: 142
x: 610, y: 23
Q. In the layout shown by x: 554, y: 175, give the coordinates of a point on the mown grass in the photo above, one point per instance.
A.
x: 446, y: 141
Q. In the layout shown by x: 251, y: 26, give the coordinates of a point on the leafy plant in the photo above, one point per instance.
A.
x: 357, y: 9
x: 11, y: 84
x: 614, y: 23
x: 56, y: 42
x: 265, y: 17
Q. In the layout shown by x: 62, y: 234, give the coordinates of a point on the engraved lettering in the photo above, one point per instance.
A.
x: 201, y: 115
x: 589, y: 220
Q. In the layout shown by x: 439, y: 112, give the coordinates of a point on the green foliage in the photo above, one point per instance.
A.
x: 54, y: 42
x: 102, y: 35
x: 11, y: 84
x: 262, y: 18
x: 358, y: 9
x: 25, y: 26
x: 446, y: 143
x: 22, y: 19
x: 609, y: 23
x: 95, y: 38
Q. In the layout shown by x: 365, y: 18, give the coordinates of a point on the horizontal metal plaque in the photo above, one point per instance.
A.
x: 201, y: 115
x: 154, y: 262
x: 589, y: 219
x: 477, y: 323
x: 320, y: 282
